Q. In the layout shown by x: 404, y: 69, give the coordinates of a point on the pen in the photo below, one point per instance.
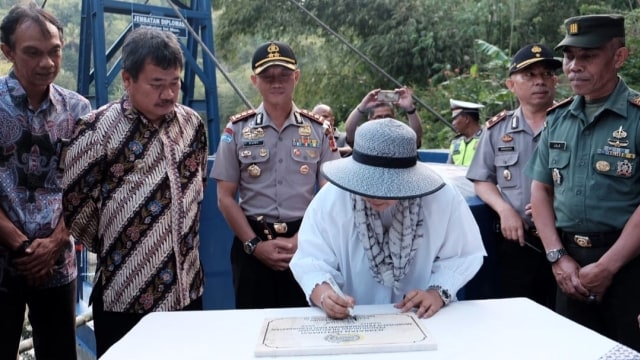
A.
x: 336, y: 288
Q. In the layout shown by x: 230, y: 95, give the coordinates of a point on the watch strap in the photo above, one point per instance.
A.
x: 444, y: 294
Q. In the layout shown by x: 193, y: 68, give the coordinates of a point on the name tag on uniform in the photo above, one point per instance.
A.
x: 253, y: 142
x: 506, y: 148
x: 558, y: 145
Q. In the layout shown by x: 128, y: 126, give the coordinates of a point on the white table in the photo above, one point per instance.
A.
x: 480, y: 329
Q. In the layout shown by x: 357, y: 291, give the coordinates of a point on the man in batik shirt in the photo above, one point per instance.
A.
x: 134, y: 180
x: 37, y: 262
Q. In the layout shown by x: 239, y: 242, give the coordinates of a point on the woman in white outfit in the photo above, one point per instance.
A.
x: 386, y: 229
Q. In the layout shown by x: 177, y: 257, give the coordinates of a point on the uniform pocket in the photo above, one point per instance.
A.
x: 507, y: 175
x: 559, y: 159
x: 305, y: 164
x: 614, y: 165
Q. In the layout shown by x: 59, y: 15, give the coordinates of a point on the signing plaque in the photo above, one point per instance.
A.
x: 320, y: 335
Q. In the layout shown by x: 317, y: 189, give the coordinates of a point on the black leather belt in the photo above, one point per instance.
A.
x: 591, y: 239
x: 271, y: 230
x: 532, y: 231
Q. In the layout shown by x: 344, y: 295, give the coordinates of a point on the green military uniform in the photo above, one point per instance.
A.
x: 592, y: 164
x: 588, y: 152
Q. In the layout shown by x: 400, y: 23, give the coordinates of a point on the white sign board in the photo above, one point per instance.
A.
x: 320, y: 335
x: 174, y: 25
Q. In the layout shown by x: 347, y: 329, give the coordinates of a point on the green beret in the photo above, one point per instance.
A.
x: 592, y: 31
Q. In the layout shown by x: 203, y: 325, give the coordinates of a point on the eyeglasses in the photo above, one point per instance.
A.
x: 279, y: 78
x: 531, y: 75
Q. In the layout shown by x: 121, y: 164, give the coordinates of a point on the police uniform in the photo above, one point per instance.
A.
x: 461, y: 150
x: 503, y: 151
x: 277, y: 170
x: 502, y: 154
x: 592, y: 163
x: 277, y: 173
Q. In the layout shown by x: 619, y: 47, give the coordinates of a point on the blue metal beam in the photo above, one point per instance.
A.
x: 93, y: 73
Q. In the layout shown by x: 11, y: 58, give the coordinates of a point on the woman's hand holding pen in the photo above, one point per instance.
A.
x: 335, y: 305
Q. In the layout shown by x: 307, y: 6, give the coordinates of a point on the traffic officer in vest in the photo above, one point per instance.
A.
x: 506, y: 145
x: 267, y: 168
x: 585, y: 193
x: 466, y: 122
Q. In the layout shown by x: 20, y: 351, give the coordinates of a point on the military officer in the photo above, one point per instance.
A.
x: 269, y: 159
x: 466, y: 122
x: 505, y: 147
x: 586, y: 186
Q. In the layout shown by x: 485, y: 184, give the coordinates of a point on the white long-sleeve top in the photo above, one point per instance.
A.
x: 450, y: 254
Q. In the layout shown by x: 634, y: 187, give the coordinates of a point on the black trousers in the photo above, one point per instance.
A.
x: 257, y: 286
x: 525, y: 272
x: 51, y: 313
x: 616, y: 316
x: 111, y: 326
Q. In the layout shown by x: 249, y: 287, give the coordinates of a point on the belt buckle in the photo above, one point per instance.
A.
x: 582, y: 241
x: 280, y: 228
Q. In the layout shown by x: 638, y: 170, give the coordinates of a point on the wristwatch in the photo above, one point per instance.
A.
x: 444, y: 293
x: 554, y: 255
x: 250, y: 245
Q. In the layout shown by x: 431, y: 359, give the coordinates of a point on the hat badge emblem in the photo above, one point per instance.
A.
x: 536, y: 50
x: 572, y: 28
x: 273, y: 50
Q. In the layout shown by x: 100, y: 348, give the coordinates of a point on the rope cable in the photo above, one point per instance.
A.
x: 368, y: 61
x: 210, y: 54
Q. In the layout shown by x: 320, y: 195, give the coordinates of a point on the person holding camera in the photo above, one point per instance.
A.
x: 379, y: 104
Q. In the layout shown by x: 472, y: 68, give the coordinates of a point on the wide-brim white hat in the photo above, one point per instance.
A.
x: 384, y: 164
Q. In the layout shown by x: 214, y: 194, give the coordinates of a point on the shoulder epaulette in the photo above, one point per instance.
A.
x: 635, y: 100
x: 311, y: 116
x: 243, y: 115
x: 496, y: 119
x: 562, y: 103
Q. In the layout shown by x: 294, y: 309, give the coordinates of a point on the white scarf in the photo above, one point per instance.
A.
x: 390, y: 252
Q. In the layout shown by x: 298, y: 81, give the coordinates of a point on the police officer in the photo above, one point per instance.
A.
x: 326, y: 114
x: 586, y: 184
x: 505, y: 147
x: 269, y: 159
x: 466, y: 122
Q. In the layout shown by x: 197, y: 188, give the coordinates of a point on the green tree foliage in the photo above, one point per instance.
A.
x: 421, y: 43
x: 430, y: 45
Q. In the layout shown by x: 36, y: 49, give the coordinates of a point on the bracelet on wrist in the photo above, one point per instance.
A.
x: 412, y: 111
x: 21, y: 250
